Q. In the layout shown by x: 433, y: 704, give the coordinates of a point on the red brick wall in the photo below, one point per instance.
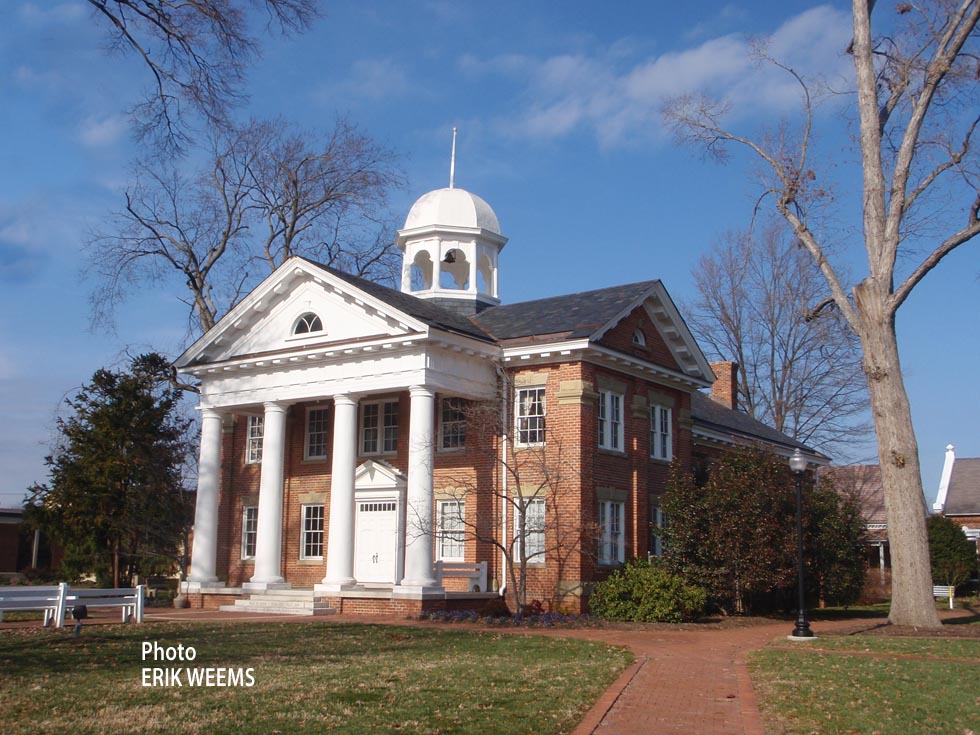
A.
x: 571, y: 451
x: 620, y: 338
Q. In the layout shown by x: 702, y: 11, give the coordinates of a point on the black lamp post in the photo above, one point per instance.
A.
x: 797, y: 463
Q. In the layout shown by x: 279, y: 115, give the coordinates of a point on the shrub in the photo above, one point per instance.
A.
x: 645, y: 593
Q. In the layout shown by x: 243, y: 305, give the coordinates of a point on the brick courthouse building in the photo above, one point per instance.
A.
x: 363, y: 446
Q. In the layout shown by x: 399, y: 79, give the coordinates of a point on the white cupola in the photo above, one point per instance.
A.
x: 450, y: 245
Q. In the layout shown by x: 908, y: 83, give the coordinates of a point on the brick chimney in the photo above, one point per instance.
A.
x: 725, y: 388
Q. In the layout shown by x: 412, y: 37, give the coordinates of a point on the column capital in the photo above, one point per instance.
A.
x: 209, y: 413
x: 346, y: 399
x: 275, y: 406
x: 421, y: 391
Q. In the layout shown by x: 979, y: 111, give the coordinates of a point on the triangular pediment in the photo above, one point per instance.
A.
x: 665, y: 332
x: 265, y: 322
x: 375, y: 474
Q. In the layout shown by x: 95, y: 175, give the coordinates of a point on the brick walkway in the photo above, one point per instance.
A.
x: 691, y: 681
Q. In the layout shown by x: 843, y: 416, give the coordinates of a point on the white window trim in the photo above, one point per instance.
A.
x: 610, y: 421
x: 657, y: 523
x: 533, y: 557
x: 452, y: 536
x: 610, y: 510
x: 543, y: 416
x: 245, y: 510
x: 254, y: 439
x: 443, y: 425
x: 306, y: 434
x: 656, y: 433
x: 303, y: 531
x: 380, y: 403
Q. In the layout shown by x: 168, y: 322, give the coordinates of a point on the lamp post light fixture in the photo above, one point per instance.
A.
x: 797, y: 463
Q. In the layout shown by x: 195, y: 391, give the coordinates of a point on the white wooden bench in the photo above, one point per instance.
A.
x: 474, y: 572
x: 57, y: 600
x: 50, y: 599
x: 943, y: 591
x: 130, y: 599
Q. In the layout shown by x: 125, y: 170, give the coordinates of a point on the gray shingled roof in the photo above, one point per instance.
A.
x: 426, y: 311
x: 713, y: 415
x: 963, y: 495
x: 863, y: 483
x: 574, y: 315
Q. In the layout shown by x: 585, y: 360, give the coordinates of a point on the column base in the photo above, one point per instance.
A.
x: 323, y: 588
x: 263, y: 586
x: 418, y: 591
x: 196, y: 585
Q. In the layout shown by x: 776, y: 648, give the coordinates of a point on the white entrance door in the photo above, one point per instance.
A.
x: 375, y: 541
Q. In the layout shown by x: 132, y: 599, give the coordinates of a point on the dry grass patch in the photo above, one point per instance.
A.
x: 312, y: 677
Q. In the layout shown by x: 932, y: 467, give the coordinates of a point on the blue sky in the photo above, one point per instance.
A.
x: 557, y: 105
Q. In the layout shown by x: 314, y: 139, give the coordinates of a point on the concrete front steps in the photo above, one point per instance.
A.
x: 281, y: 602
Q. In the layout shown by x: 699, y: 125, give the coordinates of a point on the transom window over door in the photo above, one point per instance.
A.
x: 379, y: 427
x: 530, y: 414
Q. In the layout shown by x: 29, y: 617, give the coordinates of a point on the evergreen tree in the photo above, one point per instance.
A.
x: 952, y: 555
x: 116, y: 500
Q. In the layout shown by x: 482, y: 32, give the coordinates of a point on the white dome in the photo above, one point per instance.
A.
x: 452, y: 208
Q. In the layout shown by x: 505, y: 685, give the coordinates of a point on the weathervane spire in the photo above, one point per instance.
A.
x: 452, y: 163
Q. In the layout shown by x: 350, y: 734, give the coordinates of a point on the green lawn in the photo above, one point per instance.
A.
x: 870, y: 685
x: 309, y: 678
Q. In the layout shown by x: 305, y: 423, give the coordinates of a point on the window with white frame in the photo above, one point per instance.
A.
x: 253, y: 446
x: 311, y: 539
x: 661, y: 442
x: 657, y: 522
x: 250, y: 528
x: 379, y: 427
x: 534, y: 529
x: 611, y: 542
x: 451, y: 539
x: 530, y: 415
x: 308, y: 323
x: 639, y: 338
x: 611, y: 420
x: 452, y: 423
x: 316, y: 433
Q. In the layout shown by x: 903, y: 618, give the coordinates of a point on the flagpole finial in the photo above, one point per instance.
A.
x: 452, y: 163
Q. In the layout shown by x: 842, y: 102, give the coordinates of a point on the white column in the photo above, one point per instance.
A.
x: 418, y: 532
x: 204, y: 553
x: 268, y: 537
x: 340, y: 537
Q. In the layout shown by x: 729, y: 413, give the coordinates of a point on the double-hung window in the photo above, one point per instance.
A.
x: 530, y: 415
x: 379, y: 427
x: 250, y: 527
x: 661, y: 443
x: 657, y: 522
x: 611, y: 420
x: 534, y: 530
x: 311, y: 540
x: 253, y: 446
x: 611, y: 543
x: 452, y: 424
x: 450, y: 545
x: 316, y: 433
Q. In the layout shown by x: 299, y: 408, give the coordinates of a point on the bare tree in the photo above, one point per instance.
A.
x: 196, y: 54
x: 267, y: 192
x: 527, y: 484
x: 916, y: 103
x: 799, y: 374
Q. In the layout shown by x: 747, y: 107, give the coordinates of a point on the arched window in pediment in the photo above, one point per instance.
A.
x: 307, y: 323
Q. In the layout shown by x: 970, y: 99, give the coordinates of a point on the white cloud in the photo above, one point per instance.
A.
x: 96, y: 132
x: 51, y: 14
x: 30, y: 78
x: 369, y: 79
x: 620, y: 102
